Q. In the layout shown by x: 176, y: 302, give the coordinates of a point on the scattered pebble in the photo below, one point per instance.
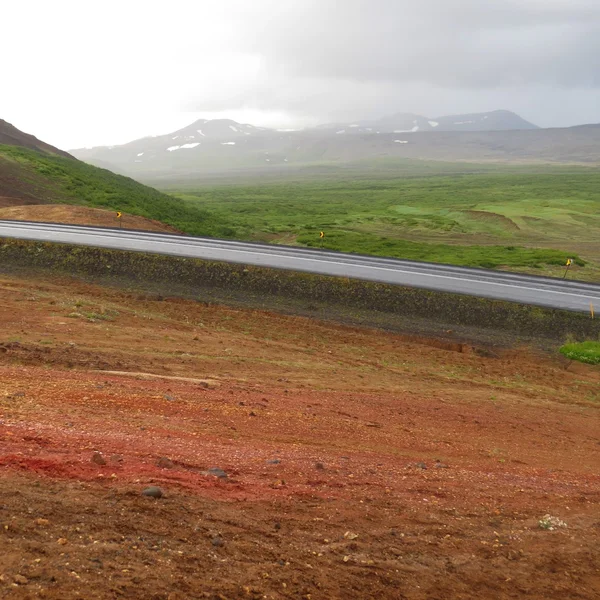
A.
x: 98, y: 459
x: 153, y: 492
x: 551, y: 523
x: 165, y: 463
x: 216, y: 472
x: 319, y: 466
x: 275, y: 461
x: 421, y: 465
x: 217, y: 542
x: 21, y: 580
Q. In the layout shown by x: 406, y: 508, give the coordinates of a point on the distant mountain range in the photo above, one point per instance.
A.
x: 498, y: 120
x: 224, y: 146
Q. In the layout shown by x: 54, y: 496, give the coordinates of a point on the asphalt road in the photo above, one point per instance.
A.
x: 526, y: 289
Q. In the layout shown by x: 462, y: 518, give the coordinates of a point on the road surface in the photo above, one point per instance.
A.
x: 526, y: 289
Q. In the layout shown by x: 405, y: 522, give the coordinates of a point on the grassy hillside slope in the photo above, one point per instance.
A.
x: 31, y: 177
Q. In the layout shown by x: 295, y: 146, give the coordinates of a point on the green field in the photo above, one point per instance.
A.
x: 504, y: 219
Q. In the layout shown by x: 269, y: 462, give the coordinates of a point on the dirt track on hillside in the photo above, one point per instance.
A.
x: 359, y: 464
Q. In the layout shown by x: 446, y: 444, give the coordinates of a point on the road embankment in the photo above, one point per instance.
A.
x: 398, y: 308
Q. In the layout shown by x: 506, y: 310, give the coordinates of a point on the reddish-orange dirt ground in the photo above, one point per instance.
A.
x: 78, y: 215
x: 297, y: 458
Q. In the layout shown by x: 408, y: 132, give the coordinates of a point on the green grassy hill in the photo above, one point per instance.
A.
x: 33, y: 177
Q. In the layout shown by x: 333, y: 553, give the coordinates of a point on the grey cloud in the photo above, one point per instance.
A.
x: 338, y: 59
x: 471, y: 43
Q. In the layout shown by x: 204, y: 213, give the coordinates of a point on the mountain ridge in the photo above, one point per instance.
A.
x: 221, y: 146
x: 11, y: 136
x: 497, y: 120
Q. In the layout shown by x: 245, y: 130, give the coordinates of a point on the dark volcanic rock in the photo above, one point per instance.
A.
x: 153, y: 492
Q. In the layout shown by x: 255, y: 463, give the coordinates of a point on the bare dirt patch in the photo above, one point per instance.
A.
x: 356, y: 463
x: 492, y: 218
x: 80, y: 215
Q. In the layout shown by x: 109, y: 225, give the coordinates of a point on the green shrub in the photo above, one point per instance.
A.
x: 585, y: 352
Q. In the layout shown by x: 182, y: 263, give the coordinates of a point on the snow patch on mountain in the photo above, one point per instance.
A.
x: 413, y: 130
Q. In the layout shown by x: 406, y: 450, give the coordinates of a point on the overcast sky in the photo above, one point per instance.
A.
x: 81, y: 73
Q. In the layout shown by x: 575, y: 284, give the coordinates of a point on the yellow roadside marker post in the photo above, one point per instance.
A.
x: 322, y: 235
x: 569, y: 263
x: 592, y: 310
x: 119, y: 216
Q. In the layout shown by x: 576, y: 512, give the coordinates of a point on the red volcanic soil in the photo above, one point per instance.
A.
x: 350, y: 463
x: 79, y: 215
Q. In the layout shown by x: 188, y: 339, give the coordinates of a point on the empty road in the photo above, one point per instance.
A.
x: 526, y: 289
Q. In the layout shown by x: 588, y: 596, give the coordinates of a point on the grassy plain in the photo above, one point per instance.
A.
x: 506, y: 218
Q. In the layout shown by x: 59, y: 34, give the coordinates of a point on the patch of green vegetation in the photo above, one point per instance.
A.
x: 94, y: 316
x: 489, y: 257
x: 500, y: 219
x: 74, y: 182
x: 585, y: 352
